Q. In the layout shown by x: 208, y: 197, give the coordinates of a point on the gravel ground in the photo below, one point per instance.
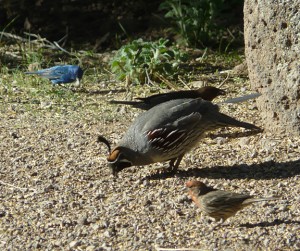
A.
x: 57, y: 192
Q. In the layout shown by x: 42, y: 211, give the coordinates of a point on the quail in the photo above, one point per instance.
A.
x: 167, y: 131
x: 219, y: 204
x: 207, y: 93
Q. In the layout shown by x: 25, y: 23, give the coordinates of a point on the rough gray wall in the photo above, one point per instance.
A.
x: 272, y: 34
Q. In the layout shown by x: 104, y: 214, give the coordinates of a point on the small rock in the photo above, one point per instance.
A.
x: 182, y: 198
x: 74, y: 244
x: 90, y: 248
x: 83, y: 220
x: 160, y: 235
x: 2, y: 213
x: 107, y: 233
x: 45, y: 105
x: 220, y: 140
x: 14, y: 135
x: 253, y: 154
x: 96, y: 227
x: 244, y: 142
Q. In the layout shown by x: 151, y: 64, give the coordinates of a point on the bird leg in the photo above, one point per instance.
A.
x: 174, y: 164
x: 217, y: 224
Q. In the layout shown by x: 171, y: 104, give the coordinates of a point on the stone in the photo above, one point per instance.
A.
x: 272, y: 51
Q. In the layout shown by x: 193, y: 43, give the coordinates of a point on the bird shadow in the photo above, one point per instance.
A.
x: 269, y: 224
x: 234, y: 134
x: 98, y: 92
x: 267, y: 170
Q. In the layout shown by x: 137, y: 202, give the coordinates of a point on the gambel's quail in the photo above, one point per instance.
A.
x: 167, y: 131
x: 207, y: 93
x: 219, y: 204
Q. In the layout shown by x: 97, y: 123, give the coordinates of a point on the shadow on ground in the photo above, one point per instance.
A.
x: 98, y: 92
x: 266, y: 170
x: 270, y: 224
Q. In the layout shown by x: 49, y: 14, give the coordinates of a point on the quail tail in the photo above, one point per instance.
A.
x: 229, y: 121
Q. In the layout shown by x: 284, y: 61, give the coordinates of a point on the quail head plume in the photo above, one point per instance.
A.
x: 61, y: 74
x: 167, y: 131
x: 219, y: 204
x: 206, y: 93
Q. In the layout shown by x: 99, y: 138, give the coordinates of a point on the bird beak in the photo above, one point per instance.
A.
x: 77, y: 82
x: 222, y: 92
x: 113, y: 169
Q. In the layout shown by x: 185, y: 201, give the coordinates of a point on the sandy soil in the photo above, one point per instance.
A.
x: 57, y: 192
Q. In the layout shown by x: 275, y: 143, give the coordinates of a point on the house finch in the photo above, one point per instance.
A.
x: 219, y: 204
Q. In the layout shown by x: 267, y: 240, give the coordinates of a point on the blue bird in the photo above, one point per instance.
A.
x: 61, y: 74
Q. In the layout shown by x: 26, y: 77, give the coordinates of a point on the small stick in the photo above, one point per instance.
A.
x: 223, y: 82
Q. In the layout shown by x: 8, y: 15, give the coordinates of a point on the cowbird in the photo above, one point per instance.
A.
x: 206, y: 93
x: 219, y: 204
x: 167, y: 131
x: 61, y: 74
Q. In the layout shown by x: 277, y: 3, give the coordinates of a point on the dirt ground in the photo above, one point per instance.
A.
x: 57, y: 192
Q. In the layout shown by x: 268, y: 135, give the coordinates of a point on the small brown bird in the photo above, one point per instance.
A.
x: 206, y: 93
x: 219, y: 204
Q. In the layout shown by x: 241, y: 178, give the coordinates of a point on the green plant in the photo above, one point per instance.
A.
x: 138, y: 59
x: 193, y: 20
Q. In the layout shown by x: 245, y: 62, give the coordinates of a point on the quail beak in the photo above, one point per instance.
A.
x: 116, y: 167
x: 114, y: 172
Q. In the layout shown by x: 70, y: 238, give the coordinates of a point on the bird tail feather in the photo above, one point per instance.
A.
x: 241, y: 99
x: 123, y: 102
x: 229, y: 121
x: 252, y: 200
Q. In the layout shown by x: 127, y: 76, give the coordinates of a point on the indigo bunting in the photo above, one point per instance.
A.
x: 61, y: 74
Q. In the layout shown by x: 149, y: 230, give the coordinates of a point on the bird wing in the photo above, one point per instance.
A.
x: 223, y: 199
x: 58, y: 72
x: 175, y: 111
x: 51, y: 73
x: 173, y: 124
x: 173, y: 134
x: 46, y: 73
x: 157, y: 99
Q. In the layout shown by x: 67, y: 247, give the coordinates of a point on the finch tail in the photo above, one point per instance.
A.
x: 253, y: 200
